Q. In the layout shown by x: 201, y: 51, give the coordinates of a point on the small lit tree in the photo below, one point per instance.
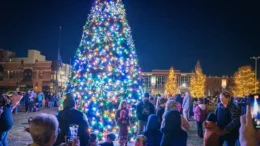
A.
x: 170, y: 85
x: 245, y: 83
x: 197, y: 82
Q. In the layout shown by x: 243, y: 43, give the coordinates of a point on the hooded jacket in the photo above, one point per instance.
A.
x: 211, y: 135
x: 144, y: 110
x: 173, y: 134
x: 68, y: 116
x: 152, y: 133
x: 200, y: 112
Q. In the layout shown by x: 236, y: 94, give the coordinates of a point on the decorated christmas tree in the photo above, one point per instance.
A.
x: 197, y: 82
x: 170, y: 85
x: 245, y: 83
x: 105, y: 68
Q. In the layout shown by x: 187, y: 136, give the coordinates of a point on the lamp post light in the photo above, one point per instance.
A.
x: 256, y: 59
x: 224, y: 84
x: 153, y: 82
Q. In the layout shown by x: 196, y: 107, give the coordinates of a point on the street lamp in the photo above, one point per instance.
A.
x: 153, y: 82
x: 255, y: 58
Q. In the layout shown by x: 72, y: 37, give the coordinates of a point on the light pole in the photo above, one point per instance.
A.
x: 255, y: 58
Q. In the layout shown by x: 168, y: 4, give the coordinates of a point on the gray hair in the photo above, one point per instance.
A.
x: 43, y: 127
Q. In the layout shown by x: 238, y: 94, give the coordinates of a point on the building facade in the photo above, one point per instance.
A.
x: 32, y: 72
x: 154, y: 82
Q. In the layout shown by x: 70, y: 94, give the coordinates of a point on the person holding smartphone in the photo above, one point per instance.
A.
x: 69, y: 117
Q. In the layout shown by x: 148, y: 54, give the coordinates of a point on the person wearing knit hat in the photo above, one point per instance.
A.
x: 70, y: 116
x: 69, y: 101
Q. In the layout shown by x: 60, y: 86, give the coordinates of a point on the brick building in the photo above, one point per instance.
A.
x: 32, y: 72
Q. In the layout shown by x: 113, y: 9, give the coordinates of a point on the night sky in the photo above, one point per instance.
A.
x: 222, y: 34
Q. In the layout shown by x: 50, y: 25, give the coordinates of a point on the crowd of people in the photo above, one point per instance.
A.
x: 162, y: 121
x: 34, y: 101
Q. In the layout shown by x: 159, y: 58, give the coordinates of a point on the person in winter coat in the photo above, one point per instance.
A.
x: 228, y: 119
x: 200, y: 113
x: 144, y: 109
x: 26, y: 99
x: 69, y: 115
x: 40, y: 98
x: 122, y: 106
x: 6, y: 119
x: 186, y: 105
x: 152, y: 133
x: 173, y: 134
x: 161, y: 108
x: 123, y: 123
x: 172, y: 105
x: 212, y: 131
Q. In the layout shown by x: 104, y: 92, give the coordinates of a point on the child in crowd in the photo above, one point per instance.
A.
x: 92, y: 140
x: 123, y: 123
x: 212, y: 131
x: 200, y: 113
x: 140, y: 140
x: 109, y: 140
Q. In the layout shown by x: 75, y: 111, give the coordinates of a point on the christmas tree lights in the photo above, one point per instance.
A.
x: 197, y: 82
x: 170, y: 85
x: 105, y: 69
x: 245, y: 83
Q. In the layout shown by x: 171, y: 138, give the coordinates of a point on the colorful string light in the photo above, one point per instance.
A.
x: 105, y: 69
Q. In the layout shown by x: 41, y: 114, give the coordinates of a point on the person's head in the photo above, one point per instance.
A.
x: 225, y: 97
x: 162, y: 101
x: 187, y: 94
x: 152, y: 122
x: 110, y: 137
x: 122, y: 105
x: 151, y: 99
x: 93, y: 137
x: 146, y: 97
x: 69, y: 101
x: 123, y: 114
x: 29, y: 91
x: 44, y: 129
x: 140, y: 140
x: 212, y: 118
x: 200, y: 101
x: 172, y: 120
x: 171, y: 105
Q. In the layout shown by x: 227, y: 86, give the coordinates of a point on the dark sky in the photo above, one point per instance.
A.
x: 222, y: 34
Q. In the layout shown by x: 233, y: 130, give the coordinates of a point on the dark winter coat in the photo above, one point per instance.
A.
x: 173, y: 134
x: 144, y: 110
x: 106, y: 144
x: 160, y: 112
x: 6, y: 119
x: 26, y: 98
x: 152, y: 133
x: 228, y: 118
x: 72, y: 116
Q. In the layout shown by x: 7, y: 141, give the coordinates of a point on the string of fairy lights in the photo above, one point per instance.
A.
x: 105, y: 69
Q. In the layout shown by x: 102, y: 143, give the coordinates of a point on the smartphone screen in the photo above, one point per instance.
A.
x: 255, y: 110
x: 73, y: 132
